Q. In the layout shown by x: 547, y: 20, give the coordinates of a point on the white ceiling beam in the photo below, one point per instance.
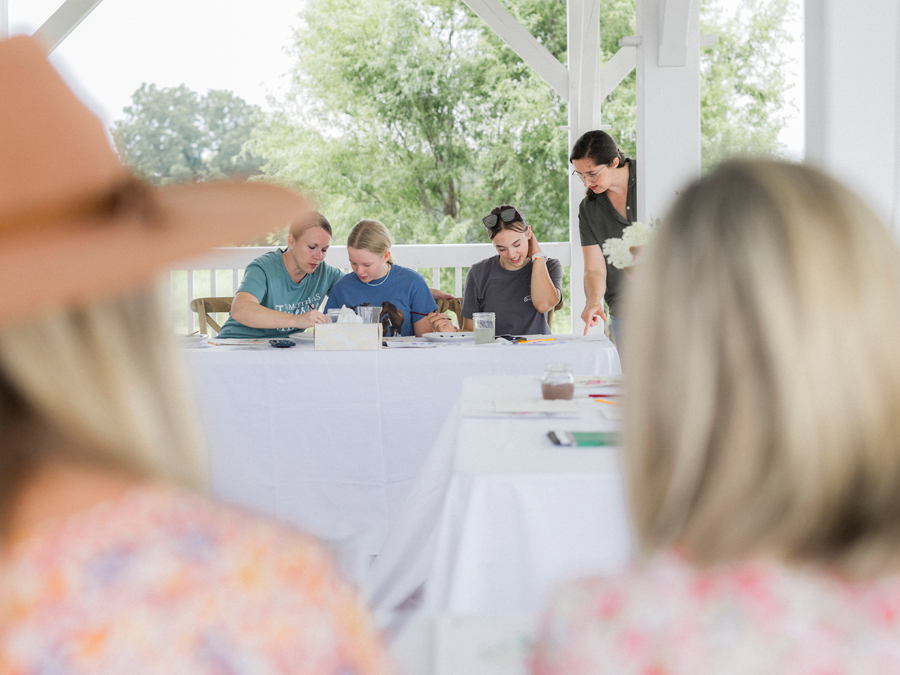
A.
x: 673, y: 29
x: 64, y: 21
x: 522, y: 43
x: 617, y: 69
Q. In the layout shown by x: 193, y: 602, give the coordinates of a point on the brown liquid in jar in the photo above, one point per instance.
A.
x: 564, y: 390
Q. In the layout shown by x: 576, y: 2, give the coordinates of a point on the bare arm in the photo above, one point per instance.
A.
x: 468, y: 325
x: 544, y: 295
x: 594, y: 286
x: 438, y: 294
x: 423, y: 326
x: 246, y: 309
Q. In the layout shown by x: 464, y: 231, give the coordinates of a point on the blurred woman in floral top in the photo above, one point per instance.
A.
x: 765, y: 500
x: 111, y: 561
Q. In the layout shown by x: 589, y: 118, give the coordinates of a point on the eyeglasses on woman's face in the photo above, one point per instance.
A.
x: 508, y: 216
x: 590, y: 176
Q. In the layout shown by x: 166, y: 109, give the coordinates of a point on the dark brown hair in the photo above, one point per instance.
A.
x: 517, y: 224
x: 600, y: 148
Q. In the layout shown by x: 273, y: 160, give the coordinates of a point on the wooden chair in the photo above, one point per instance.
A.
x: 453, y: 305
x: 206, y: 306
x: 559, y: 306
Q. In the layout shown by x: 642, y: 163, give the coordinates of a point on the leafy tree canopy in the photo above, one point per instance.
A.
x: 175, y: 134
x: 415, y: 113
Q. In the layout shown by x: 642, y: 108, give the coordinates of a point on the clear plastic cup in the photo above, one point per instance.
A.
x: 484, y: 327
x: 333, y: 314
x: 369, y: 314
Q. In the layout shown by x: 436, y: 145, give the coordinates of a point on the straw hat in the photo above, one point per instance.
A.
x: 75, y: 225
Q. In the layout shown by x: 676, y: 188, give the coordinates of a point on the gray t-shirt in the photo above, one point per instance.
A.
x: 507, y: 293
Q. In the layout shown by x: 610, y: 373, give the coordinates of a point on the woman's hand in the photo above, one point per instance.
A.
x: 438, y: 294
x: 590, y: 316
x: 310, y: 318
x: 441, y: 323
x: 636, y: 252
x: 533, y: 245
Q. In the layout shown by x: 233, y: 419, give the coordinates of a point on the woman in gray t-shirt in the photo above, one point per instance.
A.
x: 520, y: 284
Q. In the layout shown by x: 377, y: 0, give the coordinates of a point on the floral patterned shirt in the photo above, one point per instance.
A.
x: 666, y: 617
x: 160, y: 581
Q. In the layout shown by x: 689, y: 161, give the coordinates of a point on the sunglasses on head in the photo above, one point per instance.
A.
x: 508, y: 215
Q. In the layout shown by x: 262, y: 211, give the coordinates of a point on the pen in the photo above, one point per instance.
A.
x: 603, y: 395
x: 524, y: 342
x: 603, y: 400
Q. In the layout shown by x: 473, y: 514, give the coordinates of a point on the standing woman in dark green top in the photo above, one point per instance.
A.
x: 609, y: 207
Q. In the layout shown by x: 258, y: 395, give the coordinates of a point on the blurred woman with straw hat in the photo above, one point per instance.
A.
x: 111, y: 561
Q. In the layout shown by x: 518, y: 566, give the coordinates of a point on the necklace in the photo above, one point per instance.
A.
x: 385, y: 278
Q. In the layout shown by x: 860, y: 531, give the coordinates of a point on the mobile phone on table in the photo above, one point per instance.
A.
x: 282, y: 343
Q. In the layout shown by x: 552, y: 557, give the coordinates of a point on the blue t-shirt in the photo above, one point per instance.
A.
x: 403, y: 296
x: 269, y: 282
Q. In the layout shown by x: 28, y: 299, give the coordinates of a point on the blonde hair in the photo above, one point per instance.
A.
x: 371, y: 236
x: 102, y: 386
x: 307, y: 222
x: 763, y: 374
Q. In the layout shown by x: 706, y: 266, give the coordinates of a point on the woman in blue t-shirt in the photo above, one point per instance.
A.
x: 405, y: 300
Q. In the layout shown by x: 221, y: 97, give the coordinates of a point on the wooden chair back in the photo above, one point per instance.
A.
x: 453, y: 305
x: 206, y: 306
x: 559, y: 306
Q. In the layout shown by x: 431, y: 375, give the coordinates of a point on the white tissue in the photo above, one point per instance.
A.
x: 347, y: 315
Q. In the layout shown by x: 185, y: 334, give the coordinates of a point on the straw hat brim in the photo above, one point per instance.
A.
x: 82, y: 260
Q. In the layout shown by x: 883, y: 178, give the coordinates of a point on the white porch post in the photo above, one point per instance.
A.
x: 4, y: 19
x: 584, y: 115
x: 668, y: 101
x: 853, y: 97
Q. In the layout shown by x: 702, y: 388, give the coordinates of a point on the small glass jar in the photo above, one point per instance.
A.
x: 333, y: 314
x: 558, y: 382
x: 484, y: 327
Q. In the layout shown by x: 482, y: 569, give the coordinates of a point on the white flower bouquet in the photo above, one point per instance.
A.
x: 619, y: 251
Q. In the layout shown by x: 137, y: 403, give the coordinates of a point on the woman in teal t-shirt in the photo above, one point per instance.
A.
x: 282, y: 290
x: 406, y: 302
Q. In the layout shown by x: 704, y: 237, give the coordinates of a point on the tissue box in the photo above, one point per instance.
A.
x: 344, y: 337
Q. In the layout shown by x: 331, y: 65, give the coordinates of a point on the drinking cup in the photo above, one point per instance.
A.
x: 333, y: 314
x: 369, y: 314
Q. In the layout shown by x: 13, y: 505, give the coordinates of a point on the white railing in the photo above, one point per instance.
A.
x: 219, y: 272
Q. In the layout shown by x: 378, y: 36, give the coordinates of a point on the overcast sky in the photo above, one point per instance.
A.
x: 205, y: 44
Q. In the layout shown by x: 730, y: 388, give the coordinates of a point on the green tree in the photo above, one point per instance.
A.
x: 744, y: 92
x: 175, y: 134
x: 414, y: 112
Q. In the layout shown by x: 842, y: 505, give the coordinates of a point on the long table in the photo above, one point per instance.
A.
x: 499, y: 515
x: 496, y: 519
x: 332, y: 441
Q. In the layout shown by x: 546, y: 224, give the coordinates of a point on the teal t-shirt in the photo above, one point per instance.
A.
x: 267, y: 279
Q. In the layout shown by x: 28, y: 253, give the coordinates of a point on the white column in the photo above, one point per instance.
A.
x: 668, y: 102
x: 853, y: 97
x: 4, y: 19
x: 584, y: 115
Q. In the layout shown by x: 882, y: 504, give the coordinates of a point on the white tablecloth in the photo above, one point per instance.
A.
x: 332, y: 441
x: 499, y: 515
